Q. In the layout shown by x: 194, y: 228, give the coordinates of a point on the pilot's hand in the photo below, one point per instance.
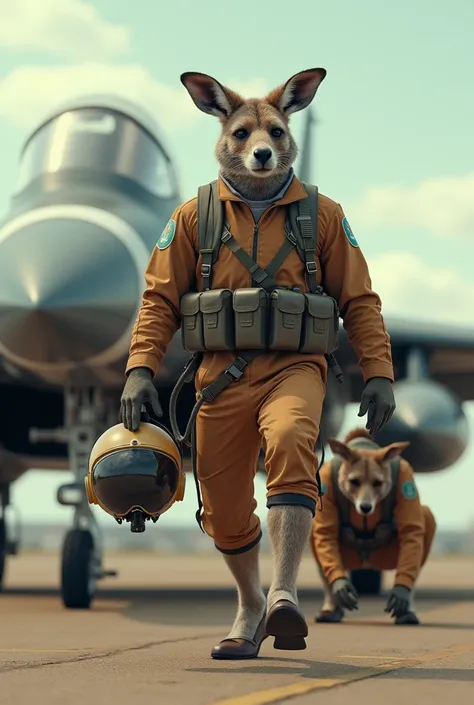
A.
x: 398, y: 601
x: 139, y: 389
x: 378, y: 399
x: 344, y: 594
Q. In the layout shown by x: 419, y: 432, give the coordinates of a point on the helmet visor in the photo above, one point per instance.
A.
x: 135, y: 477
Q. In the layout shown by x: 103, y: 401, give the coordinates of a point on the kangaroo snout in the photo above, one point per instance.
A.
x: 262, y: 155
x: 365, y: 508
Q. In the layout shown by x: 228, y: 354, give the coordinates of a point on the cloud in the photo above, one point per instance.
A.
x: 410, y: 288
x: 29, y: 92
x: 72, y: 27
x: 442, y: 206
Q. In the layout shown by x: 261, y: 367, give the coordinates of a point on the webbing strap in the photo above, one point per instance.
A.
x: 259, y: 275
x: 305, y: 230
x: 389, y: 502
x: 262, y: 277
x: 210, y: 223
x: 303, y: 234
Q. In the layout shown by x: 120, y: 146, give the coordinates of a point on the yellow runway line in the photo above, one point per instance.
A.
x: 292, y: 690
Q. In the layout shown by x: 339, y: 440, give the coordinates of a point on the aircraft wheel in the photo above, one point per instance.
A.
x: 366, y: 581
x: 3, y: 550
x: 77, y: 581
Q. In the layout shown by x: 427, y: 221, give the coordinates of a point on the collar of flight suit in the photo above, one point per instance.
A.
x: 294, y: 192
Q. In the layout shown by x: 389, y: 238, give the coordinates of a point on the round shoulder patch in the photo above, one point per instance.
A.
x: 167, y: 236
x: 349, y: 234
x: 409, y: 490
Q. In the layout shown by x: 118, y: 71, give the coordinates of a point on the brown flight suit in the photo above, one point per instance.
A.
x: 278, y: 401
x: 406, y: 553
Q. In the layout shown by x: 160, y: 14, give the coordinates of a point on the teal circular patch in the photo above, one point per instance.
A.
x: 324, y: 488
x: 409, y: 490
x: 167, y: 236
x: 349, y: 234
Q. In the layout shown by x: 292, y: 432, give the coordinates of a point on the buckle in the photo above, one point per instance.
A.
x: 207, y: 395
x: 233, y: 372
x: 291, y: 237
x: 303, y: 217
x: 311, y: 267
x: 205, y: 270
x: 226, y: 235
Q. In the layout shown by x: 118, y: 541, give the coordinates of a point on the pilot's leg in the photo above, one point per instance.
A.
x: 228, y: 445
x: 289, y: 419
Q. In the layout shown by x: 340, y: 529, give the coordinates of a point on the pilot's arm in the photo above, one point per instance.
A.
x: 325, y: 532
x: 170, y: 274
x: 346, y: 278
x: 410, y: 526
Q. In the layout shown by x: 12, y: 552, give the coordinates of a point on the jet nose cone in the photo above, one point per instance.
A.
x: 68, y: 292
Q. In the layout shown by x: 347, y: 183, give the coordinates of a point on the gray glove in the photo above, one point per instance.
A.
x: 378, y: 399
x: 139, y: 389
x: 344, y: 593
x: 398, y: 601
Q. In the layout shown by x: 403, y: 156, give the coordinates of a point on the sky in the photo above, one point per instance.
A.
x: 394, y: 142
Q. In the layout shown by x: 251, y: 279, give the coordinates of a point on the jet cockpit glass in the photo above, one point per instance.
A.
x: 103, y: 141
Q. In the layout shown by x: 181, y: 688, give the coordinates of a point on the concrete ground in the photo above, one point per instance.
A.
x: 148, y: 635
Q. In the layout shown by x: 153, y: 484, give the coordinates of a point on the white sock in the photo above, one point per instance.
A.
x: 289, y: 529
x: 328, y: 604
x: 251, y: 607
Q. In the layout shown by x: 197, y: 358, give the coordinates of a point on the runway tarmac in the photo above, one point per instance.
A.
x: 148, y: 635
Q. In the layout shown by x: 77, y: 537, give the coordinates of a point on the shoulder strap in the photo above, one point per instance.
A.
x: 342, y: 502
x: 303, y: 217
x: 210, y: 214
x: 391, y: 499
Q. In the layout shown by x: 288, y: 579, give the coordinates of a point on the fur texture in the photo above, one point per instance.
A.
x: 289, y: 528
x: 251, y: 608
x: 256, y: 149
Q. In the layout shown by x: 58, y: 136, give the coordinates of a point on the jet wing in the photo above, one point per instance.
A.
x: 449, y: 351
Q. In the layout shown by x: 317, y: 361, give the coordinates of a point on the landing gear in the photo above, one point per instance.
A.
x: 8, y: 547
x: 87, y: 415
x: 366, y: 581
x: 3, y: 550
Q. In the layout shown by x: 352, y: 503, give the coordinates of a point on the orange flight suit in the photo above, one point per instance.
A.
x: 406, y: 553
x: 278, y: 400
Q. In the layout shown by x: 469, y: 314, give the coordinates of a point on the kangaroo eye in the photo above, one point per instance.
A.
x: 277, y: 132
x: 355, y: 482
x: 241, y: 134
x: 377, y: 483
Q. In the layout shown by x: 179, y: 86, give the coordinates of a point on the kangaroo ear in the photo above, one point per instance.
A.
x: 391, y: 451
x: 343, y: 451
x: 209, y: 95
x: 298, y: 92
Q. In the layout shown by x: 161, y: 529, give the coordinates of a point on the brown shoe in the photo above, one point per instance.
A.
x: 241, y: 648
x: 287, y: 624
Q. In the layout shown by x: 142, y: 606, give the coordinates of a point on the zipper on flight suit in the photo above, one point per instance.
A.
x: 255, y: 242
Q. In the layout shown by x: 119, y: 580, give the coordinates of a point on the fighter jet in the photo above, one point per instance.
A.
x: 97, y: 185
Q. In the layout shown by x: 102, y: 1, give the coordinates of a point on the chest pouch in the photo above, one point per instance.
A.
x: 251, y: 318
x: 217, y: 319
x: 286, y: 318
x: 320, y: 325
x: 192, y: 334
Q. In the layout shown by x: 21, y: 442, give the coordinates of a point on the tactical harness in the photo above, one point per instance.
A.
x: 363, y: 541
x: 265, y: 317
